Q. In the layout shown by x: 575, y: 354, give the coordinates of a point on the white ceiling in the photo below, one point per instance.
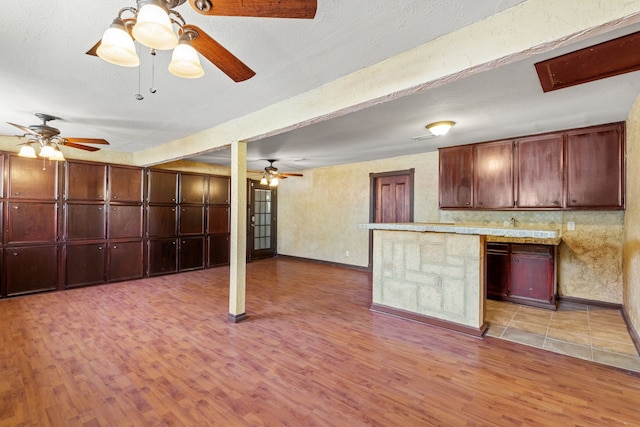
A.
x: 44, y: 69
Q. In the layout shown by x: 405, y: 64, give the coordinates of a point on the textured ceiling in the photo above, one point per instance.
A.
x: 44, y: 69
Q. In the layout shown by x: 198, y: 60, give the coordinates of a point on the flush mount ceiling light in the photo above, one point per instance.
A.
x: 151, y: 24
x: 440, y: 128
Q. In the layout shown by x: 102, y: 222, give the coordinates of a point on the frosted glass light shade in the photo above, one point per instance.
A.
x: 185, y: 62
x: 263, y: 181
x: 440, y: 128
x: 46, y: 151
x: 117, y: 46
x: 57, y: 156
x: 27, y: 151
x: 153, y: 28
x: 273, y: 182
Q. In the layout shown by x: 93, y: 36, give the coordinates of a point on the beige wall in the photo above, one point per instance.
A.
x: 632, y: 220
x: 320, y: 213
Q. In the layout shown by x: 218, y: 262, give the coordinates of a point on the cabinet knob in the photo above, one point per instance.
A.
x: 16, y: 207
x: 555, y: 202
x: 100, y: 208
x: 115, y: 196
x: 173, y: 243
x: 15, y: 254
x: 115, y: 209
x: 480, y: 203
x: 99, y: 248
x: 574, y: 201
x: 468, y: 203
x: 173, y: 209
x: 173, y: 199
x: 115, y: 247
x: 17, y: 193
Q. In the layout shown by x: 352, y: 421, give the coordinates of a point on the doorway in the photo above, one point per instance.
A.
x: 262, y: 230
x: 391, y: 200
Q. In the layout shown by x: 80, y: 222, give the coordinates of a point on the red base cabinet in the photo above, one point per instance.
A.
x: 522, y: 273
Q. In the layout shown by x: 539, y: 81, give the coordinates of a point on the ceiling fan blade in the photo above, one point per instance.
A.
x: 301, y: 9
x: 219, y: 56
x: 24, y: 128
x: 80, y: 146
x: 290, y: 174
x: 94, y: 50
x: 88, y: 140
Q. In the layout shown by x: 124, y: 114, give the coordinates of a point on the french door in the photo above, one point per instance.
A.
x: 262, y: 230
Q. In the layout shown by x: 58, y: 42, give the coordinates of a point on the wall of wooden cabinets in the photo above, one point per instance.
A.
x: 81, y: 223
x: 575, y: 169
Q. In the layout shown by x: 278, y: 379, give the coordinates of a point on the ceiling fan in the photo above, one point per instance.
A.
x: 151, y: 25
x: 49, y: 140
x: 270, y: 176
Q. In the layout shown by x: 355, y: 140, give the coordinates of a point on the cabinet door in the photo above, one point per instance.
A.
x: 32, y: 222
x: 219, y: 190
x: 29, y: 180
x: 192, y: 188
x: 540, y: 170
x: 125, y: 221
x: 219, y: 220
x: 31, y: 269
x: 125, y: 261
x: 218, y: 250
x: 191, y: 255
x: 162, y: 221
x: 84, y: 222
x: 494, y: 175
x: 532, y: 274
x: 191, y: 220
x: 163, y: 186
x: 497, y: 270
x: 85, y: 181
x: 595, y: 167
x: 456, y: 177
x: 125, y: 184
x: 163, y: 256
x: 85, y: 264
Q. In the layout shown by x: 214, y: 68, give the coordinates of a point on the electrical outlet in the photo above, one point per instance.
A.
x: 571, y: 226
x: 346, y: 253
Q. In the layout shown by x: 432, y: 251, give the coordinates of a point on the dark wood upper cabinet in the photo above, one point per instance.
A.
x: 85, y: 181
x: 575, y: 169
x: 219, y: 220
x: 162, y: 221
x: 494, y: 175
x: 219, y: 190
x: 539, y: 166
x: 32, y: 179
x: 595, y: 167
x: 456, y: 177
x: 85, y: 221
x: 192, y: 188
x: 125, y: 184
x: 125, y: 221
x: 32, y: 222
x: 191, y: 220
x: 162, y: 186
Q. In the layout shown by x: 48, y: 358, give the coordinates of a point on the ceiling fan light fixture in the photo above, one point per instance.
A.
x: 116, y: 46
x: 46, y: 151
x: 185, y: 62
x: 27, y: 151
x: 263, y: 181
x: 273, y: 182
x: 153, y: 27
x: 440, y: 128
x: 57, y: 155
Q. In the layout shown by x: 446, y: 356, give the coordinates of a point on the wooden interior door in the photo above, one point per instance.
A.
x: 393, y: 198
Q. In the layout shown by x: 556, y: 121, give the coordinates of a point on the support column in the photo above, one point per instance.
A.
x: 238, y: 267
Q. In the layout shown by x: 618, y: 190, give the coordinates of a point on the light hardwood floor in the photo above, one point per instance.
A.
x: 161, y: 352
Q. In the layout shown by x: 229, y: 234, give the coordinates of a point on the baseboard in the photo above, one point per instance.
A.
x: 632, y: 331
x: 594, y: 303
x: 331, y: 263
x: 467, y: 330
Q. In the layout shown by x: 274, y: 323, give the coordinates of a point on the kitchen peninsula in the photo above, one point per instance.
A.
x: 434, y: 273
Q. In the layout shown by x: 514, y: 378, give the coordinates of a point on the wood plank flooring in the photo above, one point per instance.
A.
x: 160, y: 352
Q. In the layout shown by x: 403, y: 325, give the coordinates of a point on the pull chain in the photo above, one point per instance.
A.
x: 153, y: 89
x: 138, y: 95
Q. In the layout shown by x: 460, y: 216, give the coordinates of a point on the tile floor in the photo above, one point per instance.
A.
x: 583, y: 331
